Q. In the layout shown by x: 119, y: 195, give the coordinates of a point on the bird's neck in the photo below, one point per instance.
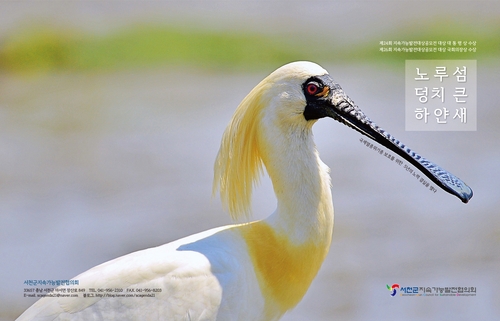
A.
x: 301, y: 182
x: 288, y: 248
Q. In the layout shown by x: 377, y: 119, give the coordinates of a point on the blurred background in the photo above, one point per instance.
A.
x: 111, y: 114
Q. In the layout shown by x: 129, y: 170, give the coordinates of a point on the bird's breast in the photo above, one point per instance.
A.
x: 284, y: 269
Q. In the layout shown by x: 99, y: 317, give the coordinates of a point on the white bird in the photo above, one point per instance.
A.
x: 257, y: 270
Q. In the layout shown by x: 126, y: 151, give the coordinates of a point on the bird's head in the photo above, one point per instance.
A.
x: 291, y: 99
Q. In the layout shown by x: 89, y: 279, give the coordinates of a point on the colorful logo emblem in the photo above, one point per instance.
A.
x: 393, y: 288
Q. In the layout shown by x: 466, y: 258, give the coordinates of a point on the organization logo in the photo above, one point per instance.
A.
x: 393, y: 288
x: 431, y: 291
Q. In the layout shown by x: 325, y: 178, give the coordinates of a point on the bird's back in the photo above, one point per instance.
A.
x: 194, y: 278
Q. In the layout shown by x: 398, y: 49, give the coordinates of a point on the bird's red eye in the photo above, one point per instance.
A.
x: 312, y: 88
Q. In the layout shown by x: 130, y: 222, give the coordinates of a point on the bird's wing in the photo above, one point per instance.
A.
x: 174, y: 281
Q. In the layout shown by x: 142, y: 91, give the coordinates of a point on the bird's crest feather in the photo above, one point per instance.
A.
x: 239, y: 163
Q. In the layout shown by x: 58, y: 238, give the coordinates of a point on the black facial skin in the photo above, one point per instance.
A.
x: 315, y: 107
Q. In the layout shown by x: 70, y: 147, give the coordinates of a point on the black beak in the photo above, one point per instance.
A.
x: 341, y: 108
